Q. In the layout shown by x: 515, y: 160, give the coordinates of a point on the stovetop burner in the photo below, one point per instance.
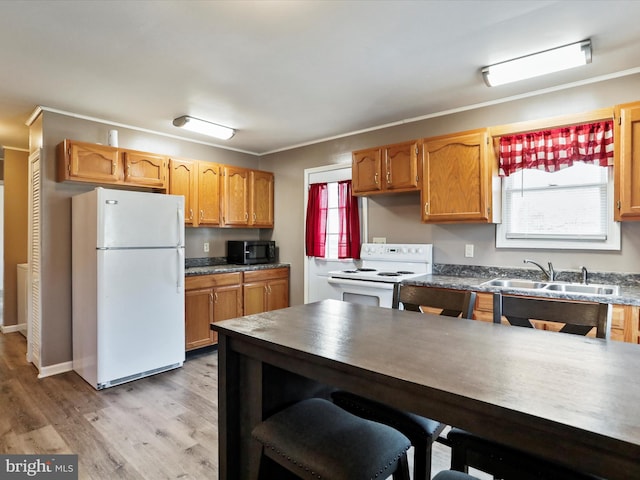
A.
x: 389, y: 274
x: 366, y: 269
x: 405, y: 272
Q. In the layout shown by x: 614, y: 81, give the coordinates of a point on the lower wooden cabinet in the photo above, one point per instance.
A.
x: 221, y: 296
x: 625, y: 319
x: 208, y: 299
x: 266, y: 290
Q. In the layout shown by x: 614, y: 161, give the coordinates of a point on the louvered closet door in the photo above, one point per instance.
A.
x: 34, y: 314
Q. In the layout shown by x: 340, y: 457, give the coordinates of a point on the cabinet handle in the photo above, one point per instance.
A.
x: 191, y: 214
x: 254, y: 216
x: 388, y: 178
x: 269, y: 287
x: 215, y: 297
x: 201, y: 214
x: 426, y: 208
x: 113, y: 168
x: 210, y: 297
x: 375, y: 178
x: 246, y: 215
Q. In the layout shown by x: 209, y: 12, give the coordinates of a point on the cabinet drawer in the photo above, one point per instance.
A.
x: 214, y: 280
x: 269, y: 274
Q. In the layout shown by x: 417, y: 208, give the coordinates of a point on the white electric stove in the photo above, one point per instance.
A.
x: 382, y: 266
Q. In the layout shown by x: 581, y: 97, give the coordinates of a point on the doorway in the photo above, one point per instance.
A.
x: 316, y: 286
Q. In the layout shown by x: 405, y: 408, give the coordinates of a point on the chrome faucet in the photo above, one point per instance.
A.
x: 585, y: 275
x: 551, y: 274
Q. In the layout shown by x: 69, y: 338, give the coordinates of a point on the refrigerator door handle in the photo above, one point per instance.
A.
x: 180, y: 219
x: 179, y: 271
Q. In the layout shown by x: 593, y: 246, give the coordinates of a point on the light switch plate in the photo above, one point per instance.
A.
x: 379, y: 239
x: 468, y: 250
x: 206, y: 247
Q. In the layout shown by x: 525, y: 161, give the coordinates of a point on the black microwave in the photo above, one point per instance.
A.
x: 250, y: 252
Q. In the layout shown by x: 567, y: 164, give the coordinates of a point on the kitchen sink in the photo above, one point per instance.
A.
x: 586, y: 289
x: 560, y: 287
x: 513, y: 283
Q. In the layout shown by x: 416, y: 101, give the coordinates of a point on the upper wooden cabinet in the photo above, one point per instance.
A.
x: 100, y: 164
x: 627, y: 162
x: 235, y: 196
x: 247, y: 197
x: 199, y: 182
x: 183, y: 175
x: 208, y: 193
x: 261, y: 186
x: 386, y: 169
x: 459, y: 176
x: 142, y: 168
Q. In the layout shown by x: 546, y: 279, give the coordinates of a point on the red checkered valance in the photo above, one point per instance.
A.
x: 552, y: 150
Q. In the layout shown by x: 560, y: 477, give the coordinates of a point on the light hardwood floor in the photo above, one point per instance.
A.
x: 160, y: 427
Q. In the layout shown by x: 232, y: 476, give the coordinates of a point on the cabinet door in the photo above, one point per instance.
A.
x: 235, y: 205
x: 366, y: 171
x: 208, y: 193
x: 261, y: 199
x: 198, y: 315
x: 89, y: 162
x: 254, y: 297
x: 401, y: 166
x: 456, y: 180
x: 278, y: 294
x: 182, y: 181
x: 227, y: 303
x: 145, y: 169
x: 627, y: 162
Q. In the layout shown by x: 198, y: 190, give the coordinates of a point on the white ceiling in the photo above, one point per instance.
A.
x: 287, y: 73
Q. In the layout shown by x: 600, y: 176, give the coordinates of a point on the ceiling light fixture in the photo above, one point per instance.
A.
x: 204, y: 127
x: 529, y: 66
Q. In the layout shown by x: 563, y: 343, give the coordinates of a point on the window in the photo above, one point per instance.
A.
x: 333, y: 221
x: 571, y: 208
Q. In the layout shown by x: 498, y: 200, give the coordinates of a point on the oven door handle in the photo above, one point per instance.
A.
x: 361, y: 283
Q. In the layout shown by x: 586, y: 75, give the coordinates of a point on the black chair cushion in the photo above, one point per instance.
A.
x: 418, y: 429
x: 320, y: 437
x: 453, y: 475
x: 508, y: 462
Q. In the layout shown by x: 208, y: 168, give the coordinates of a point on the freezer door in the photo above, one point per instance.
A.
x: 140, y: 324
x: 137, y: 219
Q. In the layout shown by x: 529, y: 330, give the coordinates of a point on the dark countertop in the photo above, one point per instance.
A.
x: 191, y: 271
x: 629, y: 293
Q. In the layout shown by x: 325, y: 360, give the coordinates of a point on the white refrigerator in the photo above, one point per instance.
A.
x: 127, y: 285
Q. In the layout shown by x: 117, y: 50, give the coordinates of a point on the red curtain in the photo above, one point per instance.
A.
x: 316, y: 231
x: 552, y: 150
x: 349, y: 233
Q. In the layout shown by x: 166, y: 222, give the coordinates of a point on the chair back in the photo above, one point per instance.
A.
x: 578, y: 317
x: 453, y: 303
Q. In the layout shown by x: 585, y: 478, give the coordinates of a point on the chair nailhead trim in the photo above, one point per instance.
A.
x: 307, y: 469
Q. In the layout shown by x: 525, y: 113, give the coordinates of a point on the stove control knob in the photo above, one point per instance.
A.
x: 404, y: 249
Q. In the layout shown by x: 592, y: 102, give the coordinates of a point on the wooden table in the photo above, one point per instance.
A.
x: 572, y: 399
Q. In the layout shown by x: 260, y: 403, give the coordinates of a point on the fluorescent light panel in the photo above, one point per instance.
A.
x: 542, y: 63
x: 204, y: 127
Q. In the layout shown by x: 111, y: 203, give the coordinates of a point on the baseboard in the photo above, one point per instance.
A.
x: 55, y: 369
x: 13, y: 328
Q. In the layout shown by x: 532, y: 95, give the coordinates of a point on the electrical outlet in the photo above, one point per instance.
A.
x: 206, y: 247
x: 379, y: 239
x: 468, y: 250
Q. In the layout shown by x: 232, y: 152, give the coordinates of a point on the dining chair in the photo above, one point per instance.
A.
x: 421, y: 431
x: 314, y: 439
x: 507, y: 462
x: 578, y: 318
